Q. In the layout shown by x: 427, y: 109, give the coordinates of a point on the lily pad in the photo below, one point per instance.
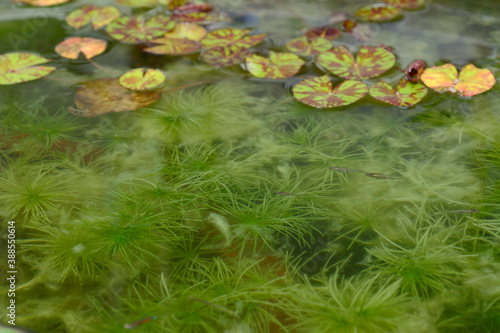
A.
x: 176, y: 4
x: 198, y: 17
x: 142, y: 79
x: 406, y: 93
x: 42, y: 3
x: 378, y: 12
x: 370, y: 62
x: 231, y: 36
x: 470, y: 82
x: 71, y: 47
x: 17, y: 67
x: 304, y: 47
x: 141, y: 3
x: 189, y: 31
x: 329, y: 33
x: 319, y: 92
x: 225, y: 56
x: 278, y: 66
x: 406, y: 4
x: 98, y: 16
x: 173, y: 46
x: 349, y: 25
x: 135, y: 30
x: 102, y: 96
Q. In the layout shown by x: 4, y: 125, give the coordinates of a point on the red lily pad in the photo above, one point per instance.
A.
x: 231, y: 36
x: 278, y: 66
x: 142, y: 79
x: 329, y: 33
x: 225, y: 56
x: 173, y: 46
x: 319, y: 92
x: 406, y: 4
x: 378, y: 12
x: 302, y: 46
x: 98, y: 16
x: 71, y: 47
x: 189, y: 31
x: 135, y: 30
x: 42, y: 3
x: 17, y: 67
x: 370, y: 62
x: 470, y: 82
x: 102, y: 96
x: 406, y: 93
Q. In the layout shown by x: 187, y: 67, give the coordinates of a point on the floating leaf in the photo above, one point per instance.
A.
x: 134, y: 30
x: 370, y: 62
x: 349, y: 25
x: 470, y: 82
x: 406, y: 93
x: 198, y: 17
x: 278, y: 66
x: 302, y: 46
x: 319, y: 93
x: 141, y: 3
x: 329, y: 33
x: 141, y: 79
x: 101, y: 96
x: 98, y: 16
x: 189, y: 31
x: 175, y: 4
x: 17, y: 67
x: 173, y: 46
x: 231, y: 36
x: 42, y: 3
x: 378, y: 12
x: 71, y: 47
x: 225, y: 56
x: 185, y: 7
x: 406, y: 4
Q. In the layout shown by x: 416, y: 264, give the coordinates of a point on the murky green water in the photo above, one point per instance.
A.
x: 229, y: 206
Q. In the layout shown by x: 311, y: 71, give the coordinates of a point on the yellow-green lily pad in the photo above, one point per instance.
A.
x: 173, y: 46
x: 231, y: 36
x: 304, y: 47
x: 17, y: 67
x: 184, y: 30
x: 42, y: 3
x: 278, y: 66
x: 318, y: 92
x: 370, y: 62
x: 406, y: 93
x: 378, y: 12
x: 98, y: 16
x: 225, y: 56
x: 470, y: 82
x: 406, y: 4
x: 142, y: 79
x: 135, y: 30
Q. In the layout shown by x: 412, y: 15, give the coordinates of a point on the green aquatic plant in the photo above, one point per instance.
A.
x: 200, y: 115
x: 422, y: 264
x: 349, y: 306
x: 34, y: 192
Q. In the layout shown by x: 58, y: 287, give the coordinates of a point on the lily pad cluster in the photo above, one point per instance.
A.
x: 179, y: 28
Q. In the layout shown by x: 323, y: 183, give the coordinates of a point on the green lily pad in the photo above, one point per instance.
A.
x: 278, y: 66
x: 470, y: 82
x: 142, y: 79
x: 319, y: 93
x: 378, y: 12
x: 102, y: 96
x: 98, y: 16
x: 71, y: 47
x: 225, y: 56
x: 329, y: 33
x: 175, y: 4
x: 370, y: 62
x: 406, y: 93
x: 173, y: 46
x: 17, y: 67
x: 142, y: 3
x: 406, y: 4
x: 42, y: 3
x: 135, y: 30
x: 304, y: 47
x: 231, y: 36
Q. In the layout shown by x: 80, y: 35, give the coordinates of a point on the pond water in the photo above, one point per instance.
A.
x: 229, y: 206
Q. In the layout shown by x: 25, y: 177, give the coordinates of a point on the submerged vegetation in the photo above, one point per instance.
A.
x: 229, y: 206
